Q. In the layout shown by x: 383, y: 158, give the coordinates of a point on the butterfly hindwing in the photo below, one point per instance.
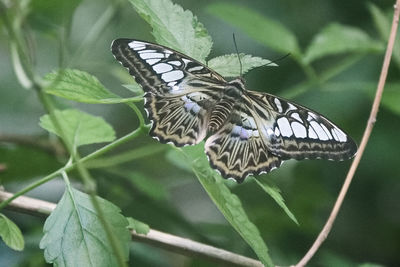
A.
x: 237, y: 149
x: 181, y: 119
x: 293, y: 131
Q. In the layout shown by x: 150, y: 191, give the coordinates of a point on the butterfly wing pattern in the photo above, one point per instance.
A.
x: 249, y: 132
x: 296, y: 132
x: 175, y: 103
x: 237, y: 150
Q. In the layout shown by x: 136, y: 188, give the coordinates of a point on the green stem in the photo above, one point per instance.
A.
x: 323, y: 78
x: 23, y: 70
x: 95, y: 31
x: 138, y: 114
x: 307, y: 68
x: 88, y: 181
x: 125, y: 157
x: 340, y: 67
x: 68, y: 168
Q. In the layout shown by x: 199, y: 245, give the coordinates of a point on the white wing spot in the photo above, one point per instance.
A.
x: 148, y: 51
x: 172, y: 75
x: 186, y: 61
x: 278, y: 104
x: 291, y: 107
x: 151, y: 55
x: 236, y: 129
x: 327, y: 131
x: 162, y: 67
x: 320, y: 132
x: 296, y: 116
x: 153, y: 61
x: 284, y: 127
x: 175, y: 62
x: 196, y: 68
x: 277, y: 132
x: 299, y: 130
x: 312, y: 115
x: 312, y: 134
x: 191, y: 106
x: 249, y: 123
x: 335, y: 135
x: 136, y: 45
x: 341, y: 135
x: 172, y: 84
x: 270, y: 131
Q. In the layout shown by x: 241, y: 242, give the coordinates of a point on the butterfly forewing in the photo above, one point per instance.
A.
x: 179, y: 91
x: 293, y: 131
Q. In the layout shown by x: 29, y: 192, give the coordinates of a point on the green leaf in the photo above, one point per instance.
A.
x: 176, y: 157
x: 275, y: 193
x: 11, y: 234
x: 78, y: 127
x: 382, y: 25
x: 336, y: 39
x: 227, y: 202
x: 74, y: 235
x: 175, y: 27
x: 80, y: 86
x: 228, y: 65
x: 269, y: 32
x: 134, y: 88
x: 138, y: 226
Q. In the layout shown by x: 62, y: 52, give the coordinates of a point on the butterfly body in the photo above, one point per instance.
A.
x: 246, y: 132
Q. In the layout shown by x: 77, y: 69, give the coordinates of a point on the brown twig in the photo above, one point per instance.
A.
x: 156, y: 238
x: 370, y: 124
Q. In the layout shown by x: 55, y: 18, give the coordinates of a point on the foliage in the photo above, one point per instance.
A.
x: 74, y: 235
x: 148, y: 180
x: 228, y: 65
x: 11, y: 234
x: 78, y: 127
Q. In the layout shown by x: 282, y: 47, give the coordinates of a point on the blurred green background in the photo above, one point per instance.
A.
x: 155, y: 190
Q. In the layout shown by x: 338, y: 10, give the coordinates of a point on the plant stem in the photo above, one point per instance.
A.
x: 68, y: 168
x: 138, y: 113
x: 155, y: 238
x: 125, y: 157
x: 97, y: 28
x: 368, y: 129
x: 324, y: 77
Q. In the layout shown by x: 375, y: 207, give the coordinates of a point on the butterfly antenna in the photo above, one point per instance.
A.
x: 237, y: 52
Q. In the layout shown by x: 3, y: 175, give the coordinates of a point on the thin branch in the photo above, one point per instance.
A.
x: 370, y: 124
x: 87, y: 158
x: 156, y: 238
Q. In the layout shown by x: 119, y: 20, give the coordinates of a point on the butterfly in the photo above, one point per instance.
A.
x: 246, y: 132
